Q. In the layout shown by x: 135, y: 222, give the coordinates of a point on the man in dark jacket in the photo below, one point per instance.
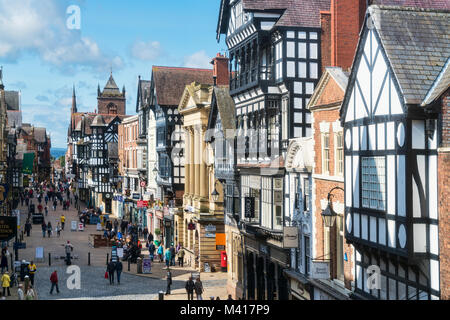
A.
x: 172, y: 255
x: 169, y: 281
x: 28, y: 228
x: 111, y: 269
x: 190, y: 288
x: 54, y: 281
x: 119, y: 268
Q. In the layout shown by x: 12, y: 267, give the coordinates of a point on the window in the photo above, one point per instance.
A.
x: 307, y: 254
x: 279, y: 60
x: 339, y: 154
x: 285, y: 119
x: 266, y: 198
x: 374, y: 182
x: 306, y: 194
x: 325, y: 153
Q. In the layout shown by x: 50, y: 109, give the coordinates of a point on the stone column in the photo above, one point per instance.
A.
x: 197, y: 148
x: 187, y: 164
x: 191, y: 155
x: 204, y: 178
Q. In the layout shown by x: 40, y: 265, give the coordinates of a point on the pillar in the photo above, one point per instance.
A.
x: 187, y: 165
x: 191, y: 155
x: 197, y: 148
x: 204, y: 178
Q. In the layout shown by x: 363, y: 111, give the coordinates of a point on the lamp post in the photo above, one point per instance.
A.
x: 215, y: 194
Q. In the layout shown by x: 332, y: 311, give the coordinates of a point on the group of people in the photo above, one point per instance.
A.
x: 113, y: 267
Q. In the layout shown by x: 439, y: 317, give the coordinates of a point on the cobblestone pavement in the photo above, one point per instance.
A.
x: 94, y: 286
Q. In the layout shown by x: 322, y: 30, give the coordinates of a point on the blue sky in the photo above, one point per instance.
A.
x: 42, y: 58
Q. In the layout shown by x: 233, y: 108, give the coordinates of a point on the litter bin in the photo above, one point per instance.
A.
x: 24, y: 270
x: 161, y: 295
x: 139, y: 265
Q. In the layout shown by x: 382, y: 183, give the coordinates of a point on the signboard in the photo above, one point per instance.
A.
x: 39, y: 253
x: 142, y: 204
x: 8, y: 228
x: 210, y: 228
x: 73, y: 226
x: 20, y: 245
x: 136, y: 196
x: 146, y: 265
x: 207, y: 267
x: 320, y: 269
x: 249, y: 206
x: 290, y: 237
x: 143, y: 184
x: 27, y: 164
x: 80, y: 226
x: 99, y: 227
x: 120, y: 252
x: 221, y: 240
x: 210, y: 235
x: 220, y: 248
x: 114, y: 254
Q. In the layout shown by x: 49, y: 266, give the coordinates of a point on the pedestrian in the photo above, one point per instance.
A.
x: 168, y: 257
x: 190, y: 286
x: 4, y: 263
x: 150, y: 237
x: 151, y: 250
x: 6, y: 281
x: 169, y: 281
x: 230, y: 297
x: 20, y: 293
x: 55, y: 203
x: 145, y: 233
x: 172, y: 255
x: 49, y: 229
x: 58, y: 229
x: 54, y: 282
x: 198, y: 288
x: 160, y: 252
x: 63, y: 221
x: 181, y: 257
x: 119, y: 268
x: 44, y: 229
x: 40, y: 208
x: 69, y: 248
x: 111, y: 268
x: 30, y: 294
x: 46, y: 211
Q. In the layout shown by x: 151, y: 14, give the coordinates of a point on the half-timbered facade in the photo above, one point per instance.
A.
x: 390, y: 149
x: 275, y: 63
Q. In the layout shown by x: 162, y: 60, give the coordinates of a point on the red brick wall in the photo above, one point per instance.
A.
x: 347, y: 20
x: 102, y: 104
x: 444, y: 203
x: 325, y: 45
x: 220, y: 70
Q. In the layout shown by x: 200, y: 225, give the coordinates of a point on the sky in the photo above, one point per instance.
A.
x: 47, y: 46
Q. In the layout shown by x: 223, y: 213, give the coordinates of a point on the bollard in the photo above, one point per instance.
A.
x: 49, y: 259
x: 107, y: 258
x: 129, y: 263
x: 89, y: 258
x: 161, y: 295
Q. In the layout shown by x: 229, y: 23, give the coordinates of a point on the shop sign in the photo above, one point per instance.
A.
x: 136, y: 196
x: 142, y: 204
x: 290, y: 237
x: 210, y: 235
x: 320, y: 269
x: 210, y: 228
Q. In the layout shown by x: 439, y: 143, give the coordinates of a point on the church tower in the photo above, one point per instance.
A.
x: 111, y: 100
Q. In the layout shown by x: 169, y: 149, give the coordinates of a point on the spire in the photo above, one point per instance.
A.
x: 98, y: 90
x: 1, y: 78
x: 74, y: 101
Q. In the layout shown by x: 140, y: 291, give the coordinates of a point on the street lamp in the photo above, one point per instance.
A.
x: 329, y: 215
x: 215, y: 195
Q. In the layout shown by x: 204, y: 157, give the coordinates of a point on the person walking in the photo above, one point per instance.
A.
x: 168, y: 258
x: 145, y: 233
x: 49, y: 229
x: 6, y: 282
x: 55, y: 203
x: 181, y: 257
x: 150, y: 237
x: 31, y: 271
x: 58, y: 229
x: 46, y: 210
x: 190, y: 286
x: 30, y: 294
x: 54, y: 282
x: 20, y: 293
x: 198, y: 287
x: 119, y: 268
x: 69, y: 248
x: 28, y: 227
x: 160, y: 252
x: 4, y: 263
x: 44, y: 229
x: 151, y: 250
x: 172, y: 255
x: 169, y: 281
x: 111, y: 268
x: 63, y: 221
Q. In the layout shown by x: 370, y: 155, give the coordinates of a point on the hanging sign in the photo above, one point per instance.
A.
x: 146, y: 265
x: 290, y: 237
x: 8, y: 228
x: 210, y: 228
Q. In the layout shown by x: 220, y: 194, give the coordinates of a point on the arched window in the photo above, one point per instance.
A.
x: 112, y: 108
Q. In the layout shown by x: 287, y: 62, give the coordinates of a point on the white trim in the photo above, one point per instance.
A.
x: 328, y: 178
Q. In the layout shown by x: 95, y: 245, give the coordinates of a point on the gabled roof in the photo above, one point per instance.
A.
x: 417, y: 44
x: 144, y: 87
x: 14, y: 118
x: 226, y: 108
x: 341, y: 79
x: 12, y: 100
x: 98, y: 121
x: 426, y: 4
x: 40, y: 135
x: 170, y: 82
x: 294, y: 13
x: 441, y: 84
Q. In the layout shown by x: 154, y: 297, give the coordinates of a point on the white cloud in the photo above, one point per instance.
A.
x: 39, y: 27
x: 146, y: 51
x: 198, y: 60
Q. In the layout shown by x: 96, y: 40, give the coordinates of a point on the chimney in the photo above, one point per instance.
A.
x: 347, y: 18
x: 221, y: 74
